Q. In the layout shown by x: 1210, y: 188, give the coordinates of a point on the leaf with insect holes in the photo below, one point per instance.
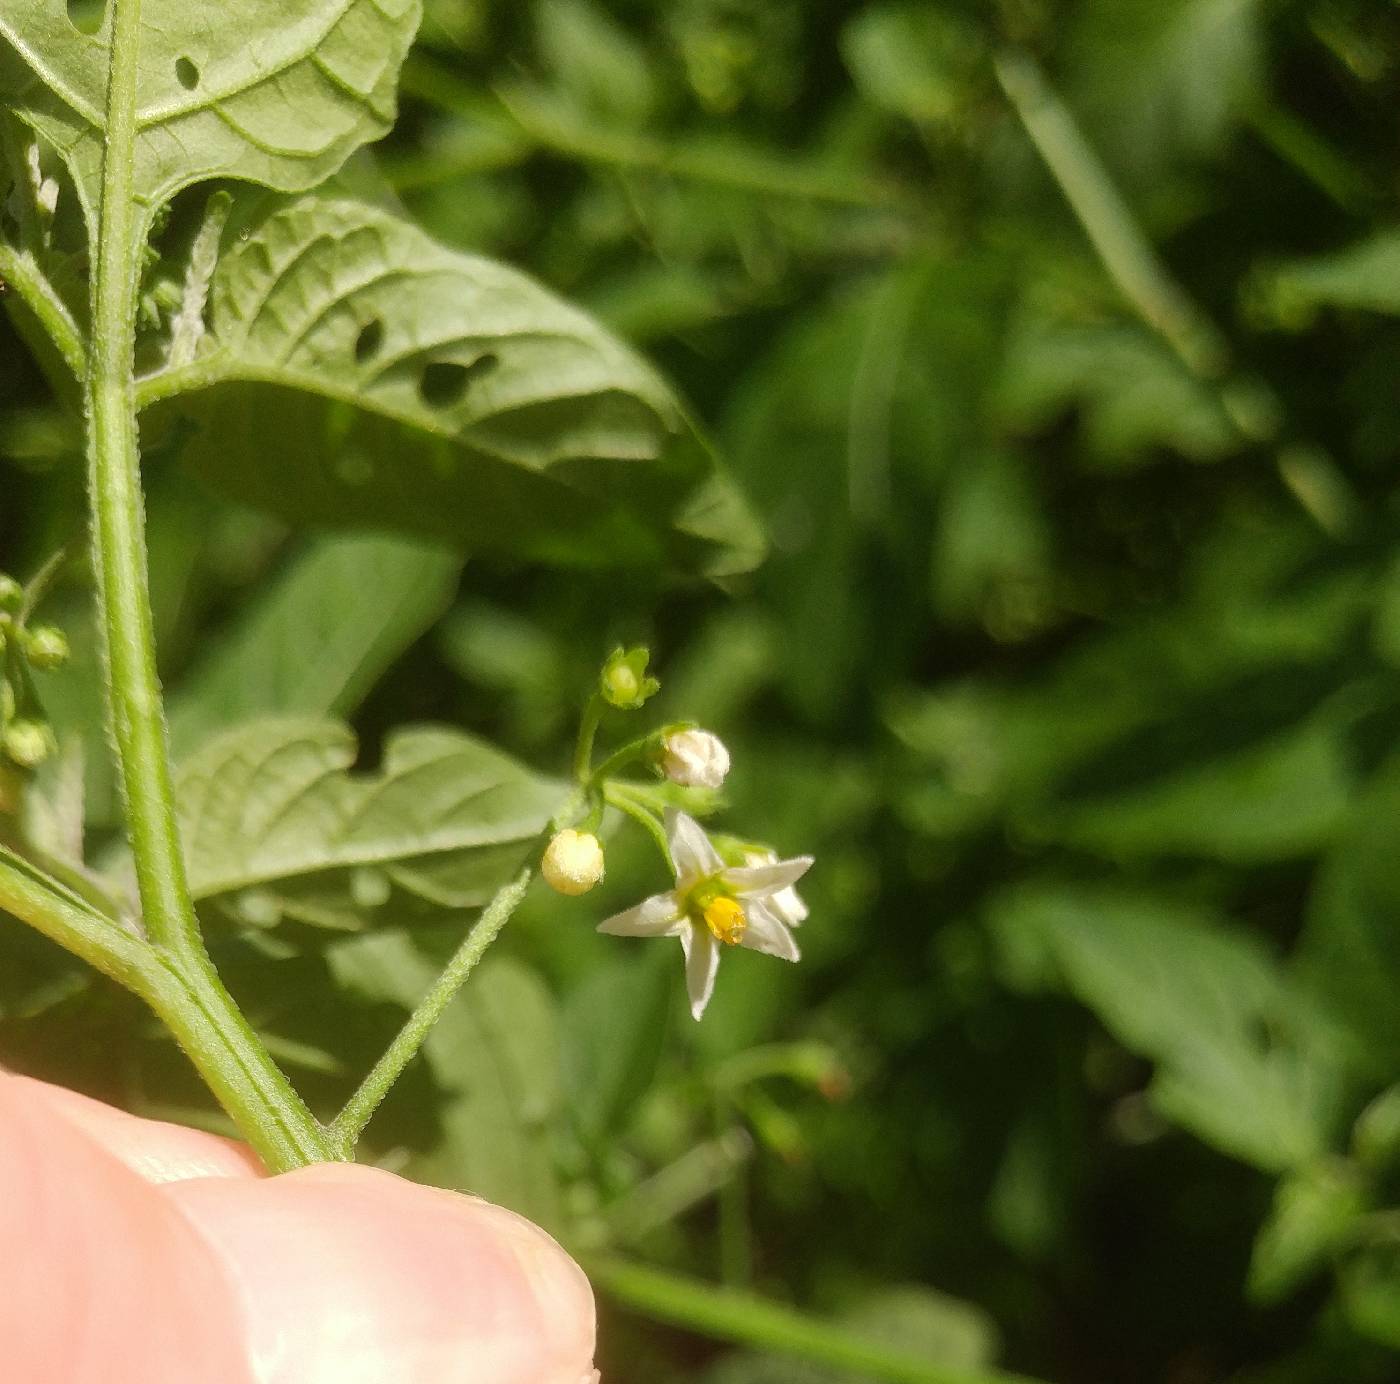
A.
x: 275, y: 825
x: 256, y: 89
x: 358, y: 373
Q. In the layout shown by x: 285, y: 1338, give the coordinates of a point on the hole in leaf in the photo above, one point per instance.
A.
x: 444, y: 382
x: 86, y: 16
x: 186, y: 73
x: 370, y: 339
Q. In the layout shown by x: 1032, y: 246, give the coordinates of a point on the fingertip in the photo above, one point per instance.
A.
x: 559, y: 1288
x: 341, y: 1265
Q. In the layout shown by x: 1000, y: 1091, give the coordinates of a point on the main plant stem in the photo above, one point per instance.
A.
x: 192, y: 1001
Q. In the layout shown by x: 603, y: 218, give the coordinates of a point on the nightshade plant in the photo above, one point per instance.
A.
x: 311, y: 353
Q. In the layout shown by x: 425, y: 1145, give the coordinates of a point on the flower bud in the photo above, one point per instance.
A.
x: 11, y: 594
x: 573, y: 862
x: 46, y: 647
x: 624, y: 682
x: 694, y: 759
x: 28, y: 743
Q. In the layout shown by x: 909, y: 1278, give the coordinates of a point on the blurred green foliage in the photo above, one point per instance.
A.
x: 1055, y: 342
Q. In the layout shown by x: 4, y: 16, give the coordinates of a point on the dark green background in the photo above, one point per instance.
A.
x: 1076, y: 663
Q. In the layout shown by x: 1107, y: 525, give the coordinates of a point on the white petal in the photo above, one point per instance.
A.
x: 701, y: 963
x: 759, y: 881
x: 767, y: 934
x: 653, y: 917
x: 691, y: 852
x: 789, y: 905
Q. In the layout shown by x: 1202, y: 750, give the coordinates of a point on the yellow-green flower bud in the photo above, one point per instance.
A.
x: 28, y: 743
x: 624, y: 682
x: 46, y: 647
x: 11, y: 593
x: 573, y: 862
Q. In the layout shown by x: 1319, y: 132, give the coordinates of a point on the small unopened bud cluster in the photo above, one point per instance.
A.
x: 689, y: 757
x: 26, y: 739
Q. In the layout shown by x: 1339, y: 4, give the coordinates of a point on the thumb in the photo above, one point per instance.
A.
x: 130, y: 1249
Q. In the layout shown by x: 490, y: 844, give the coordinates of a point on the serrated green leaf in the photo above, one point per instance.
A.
x: 275, y: 825
x: 358, y: 373
x: 1242, y: 1060
x: 318, y: 638
x: 262, y: 95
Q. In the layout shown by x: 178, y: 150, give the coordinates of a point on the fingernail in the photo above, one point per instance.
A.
x: 557, y: 1284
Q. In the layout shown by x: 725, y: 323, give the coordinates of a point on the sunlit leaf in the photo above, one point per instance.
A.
x: 276, y: 825
x: 261, y: 94
x: 358, y: 373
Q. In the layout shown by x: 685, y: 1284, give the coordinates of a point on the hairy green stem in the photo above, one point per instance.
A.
x: 238, y: 1069
x: 628, y: 754
x: 734, y: 1316
x: 190, y: 998
x: 138, y: 724
x: 22, y: 273
x: 587, y: 733
x: 347, y: 1126
x: 616, y: 795
x: 67, y: 919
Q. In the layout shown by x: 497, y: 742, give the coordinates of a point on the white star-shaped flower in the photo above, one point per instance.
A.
x: 712, y: 906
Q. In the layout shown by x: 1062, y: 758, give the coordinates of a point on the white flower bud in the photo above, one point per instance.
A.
x: 694, y: 759
x: 573, y: 862
x: 787, y: 903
